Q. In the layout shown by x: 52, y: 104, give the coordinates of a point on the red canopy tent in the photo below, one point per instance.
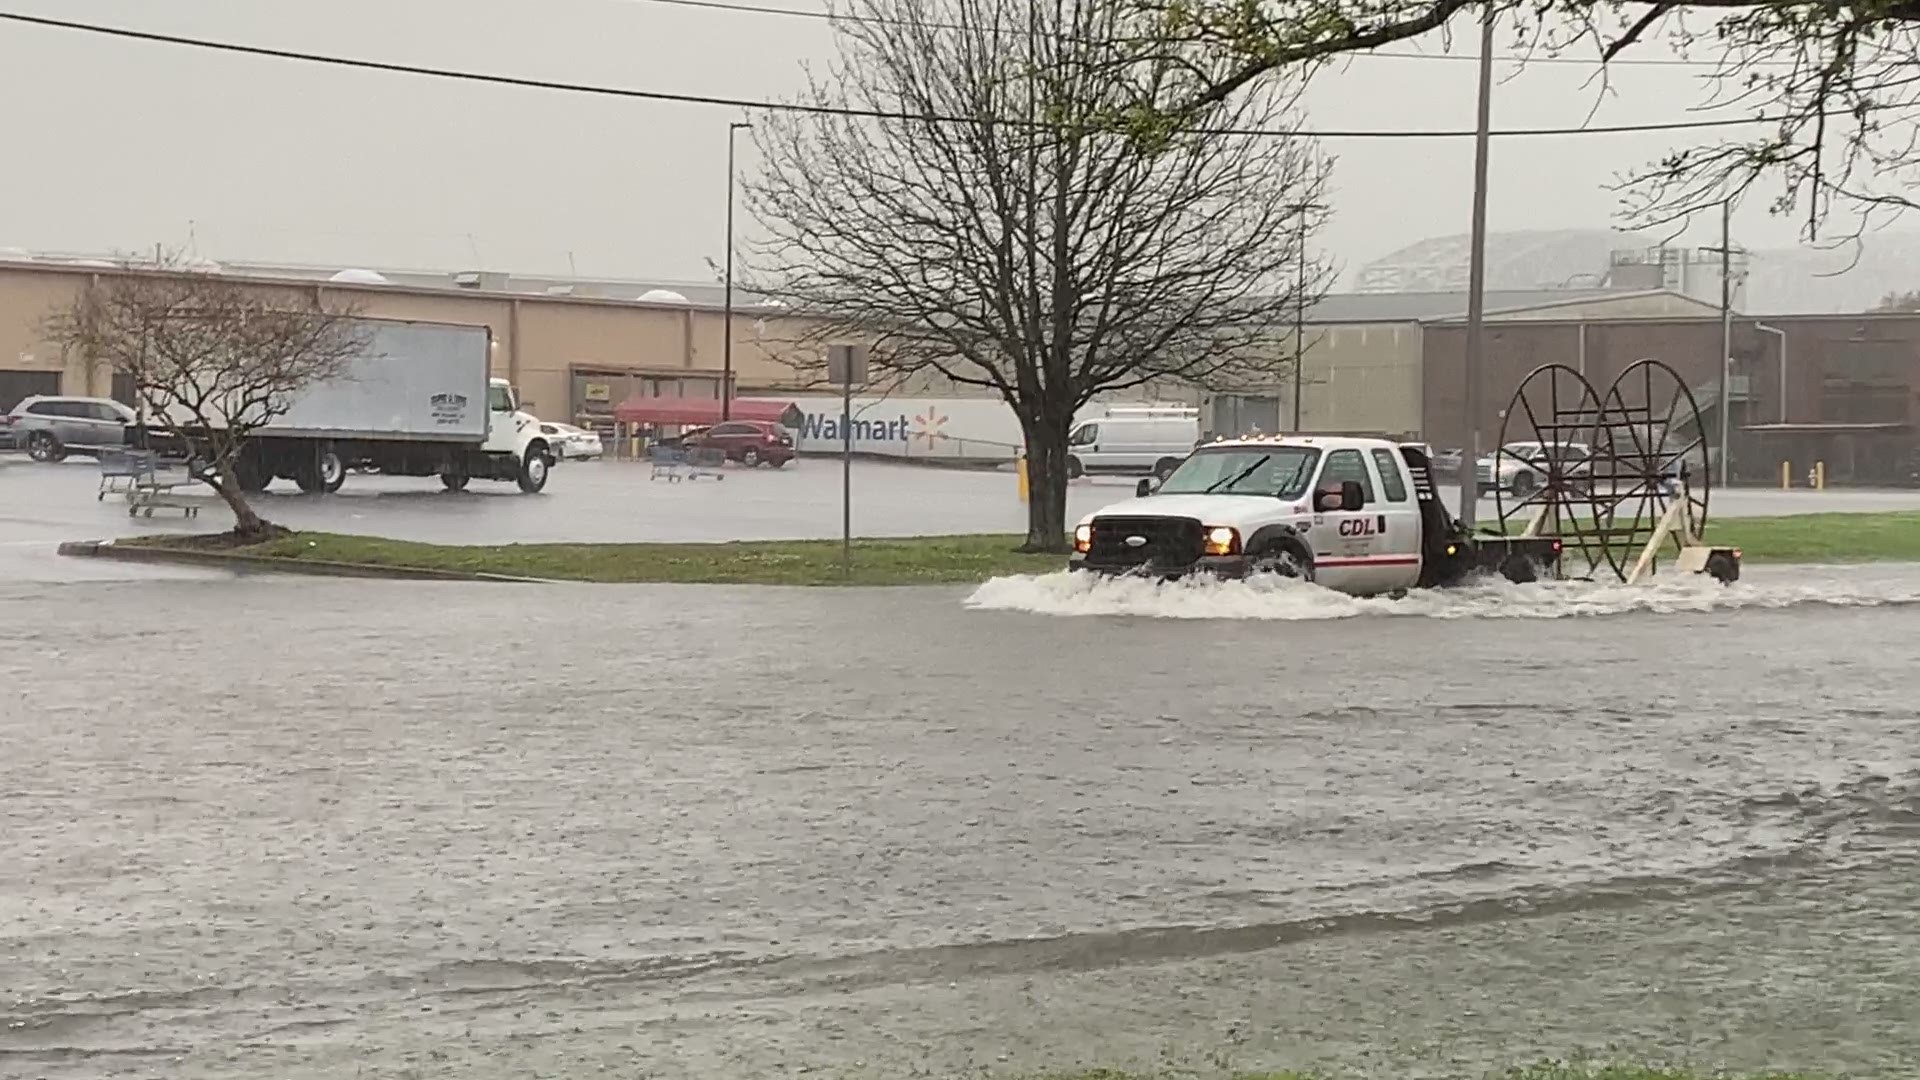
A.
x: 700, y: 412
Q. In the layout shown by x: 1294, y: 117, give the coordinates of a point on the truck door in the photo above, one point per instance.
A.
x: 1399, y: 514
x: 1346, y: 543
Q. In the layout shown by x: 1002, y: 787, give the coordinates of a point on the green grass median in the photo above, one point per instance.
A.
x: 933, y: 560
x: 938, y: 560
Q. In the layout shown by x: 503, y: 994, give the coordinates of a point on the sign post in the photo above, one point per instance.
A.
x: 846, y: 365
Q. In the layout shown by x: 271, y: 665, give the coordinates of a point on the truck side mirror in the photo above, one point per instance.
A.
x: 1143, y: 489
x: 1352, y: 495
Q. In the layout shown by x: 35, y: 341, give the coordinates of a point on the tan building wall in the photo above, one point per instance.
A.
x: 540, y: 342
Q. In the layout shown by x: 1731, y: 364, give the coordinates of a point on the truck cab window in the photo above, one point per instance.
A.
x: 1084, y: 435
x: 499, y: 399
x: 1390, y: 482
x: 1345, y: 465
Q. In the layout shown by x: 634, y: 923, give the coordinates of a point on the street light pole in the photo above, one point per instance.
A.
x: 1477, y: 275
x: 1300, y: 320
x: 726, y: 317
x: 1726, y: 334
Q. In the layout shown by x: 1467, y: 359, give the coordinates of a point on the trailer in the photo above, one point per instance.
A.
x: 420, y: 400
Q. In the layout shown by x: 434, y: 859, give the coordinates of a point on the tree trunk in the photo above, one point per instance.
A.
x: 1046, y: 487
x: 246, y: 523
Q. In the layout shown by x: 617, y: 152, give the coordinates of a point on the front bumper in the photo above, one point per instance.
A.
x: 1220, y: 566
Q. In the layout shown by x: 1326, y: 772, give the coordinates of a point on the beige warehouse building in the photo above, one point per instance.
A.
x: 571, y: 356
x: 578, y: 348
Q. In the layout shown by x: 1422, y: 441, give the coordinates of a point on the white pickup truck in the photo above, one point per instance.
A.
x: 1357, y: 515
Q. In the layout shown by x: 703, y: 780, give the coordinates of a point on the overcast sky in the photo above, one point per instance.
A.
x: 114, y: 145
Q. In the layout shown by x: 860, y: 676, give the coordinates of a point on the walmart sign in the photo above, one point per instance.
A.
x: 832, y: 427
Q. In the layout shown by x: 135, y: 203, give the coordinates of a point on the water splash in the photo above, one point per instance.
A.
x: 1083, y: 594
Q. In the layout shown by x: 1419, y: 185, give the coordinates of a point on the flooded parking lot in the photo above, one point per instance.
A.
x: 616, y: 502
x: 308, y: 828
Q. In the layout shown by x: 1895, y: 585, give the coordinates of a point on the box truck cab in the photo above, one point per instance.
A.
x: 1134, y: 440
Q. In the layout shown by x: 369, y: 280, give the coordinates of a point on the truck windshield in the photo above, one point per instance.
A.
x: 1239, y: 470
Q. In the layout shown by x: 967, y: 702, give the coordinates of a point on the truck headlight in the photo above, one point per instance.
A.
x: 1082, y: 538
x: 1222, y: 540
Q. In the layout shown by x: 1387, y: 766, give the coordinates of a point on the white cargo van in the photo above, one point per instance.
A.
x: 1136, y: 439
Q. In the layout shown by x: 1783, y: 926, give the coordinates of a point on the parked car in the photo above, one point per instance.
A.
x: 50, y: 428
x: 749, y: 442
x: 1447, y: 462
x: 573, y: 443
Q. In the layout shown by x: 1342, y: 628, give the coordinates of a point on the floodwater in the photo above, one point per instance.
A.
x: 300, y: 828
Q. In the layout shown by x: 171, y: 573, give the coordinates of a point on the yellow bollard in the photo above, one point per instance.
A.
x: 1786, y: 474
x: 1819, y: 476
x: 1020, y: 471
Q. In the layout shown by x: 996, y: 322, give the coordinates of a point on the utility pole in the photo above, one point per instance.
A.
x: 726, y: 316
x: 1726, y: 335
x: 1477, y: 275
x: 1300, y: 315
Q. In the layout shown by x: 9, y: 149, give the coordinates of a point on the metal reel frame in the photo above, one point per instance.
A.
x: 1646, y: 470
x: 1561, y: 503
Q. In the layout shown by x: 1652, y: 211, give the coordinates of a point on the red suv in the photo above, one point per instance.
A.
x: 749, y: 442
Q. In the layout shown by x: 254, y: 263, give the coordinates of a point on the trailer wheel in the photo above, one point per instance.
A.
x: 1520, y: 570
x: 454, y: 480
x: 533, y: 470
x: 331, y: 467
x: 1723, y: 568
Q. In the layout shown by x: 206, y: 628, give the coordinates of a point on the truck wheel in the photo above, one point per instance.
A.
x: 1520, y: 570
x: 1723, y: 568
x: 750, y: 458
x: 1075, y: 470
x: 44, y: 447
x: 332, y: 468
x: 1523, y: 484
x: 454, y: 480
x: 324, y: 474
x: 1283, y: 562
x: 533, y: 471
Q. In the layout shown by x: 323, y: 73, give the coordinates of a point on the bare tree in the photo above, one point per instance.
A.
x: 972, y: 200
x: 212, y: 359
x: 1899, y: 302
x: 1832, y: 85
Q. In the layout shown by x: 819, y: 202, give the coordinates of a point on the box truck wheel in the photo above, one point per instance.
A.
x: 325, y: 473
x: 454, y: 478
x: 533, y: 470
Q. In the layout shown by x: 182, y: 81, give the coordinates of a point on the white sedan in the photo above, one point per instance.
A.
x: 574, y: 443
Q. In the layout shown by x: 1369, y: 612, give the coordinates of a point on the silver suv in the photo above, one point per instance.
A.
x: 50, y: 428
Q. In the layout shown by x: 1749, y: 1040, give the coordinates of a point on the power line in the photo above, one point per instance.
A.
x: 821, y: 15
x: 457, y: 75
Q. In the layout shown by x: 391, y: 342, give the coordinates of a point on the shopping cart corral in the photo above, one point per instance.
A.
x: 149, y: 482
x: 686, y: 463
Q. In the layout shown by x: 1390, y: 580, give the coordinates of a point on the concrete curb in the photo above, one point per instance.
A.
x: 222, y: 560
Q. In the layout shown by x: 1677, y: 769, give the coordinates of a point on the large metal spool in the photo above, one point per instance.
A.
x: 1610, y: 465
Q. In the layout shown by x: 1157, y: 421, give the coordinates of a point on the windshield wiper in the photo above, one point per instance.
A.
x: 1242, y: 475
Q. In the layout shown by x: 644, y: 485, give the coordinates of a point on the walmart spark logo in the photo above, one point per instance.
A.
x: 927, y: 425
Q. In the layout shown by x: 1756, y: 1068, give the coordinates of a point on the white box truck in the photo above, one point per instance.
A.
x: 419, y: 401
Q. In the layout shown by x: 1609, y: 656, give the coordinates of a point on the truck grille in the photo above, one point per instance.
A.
x: 1169, y: 541
x: 1485, y: 473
